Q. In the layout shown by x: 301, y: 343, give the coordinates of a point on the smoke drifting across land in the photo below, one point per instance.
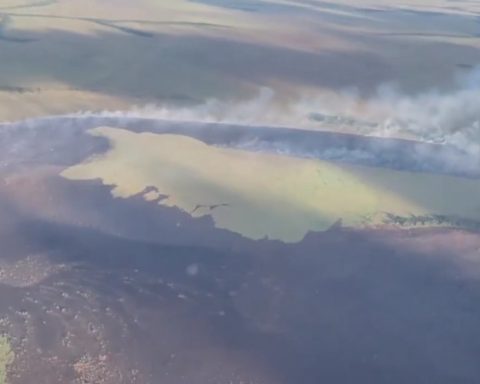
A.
x: 448, y: 118
x: 445, y: 126
x: 452, y: 118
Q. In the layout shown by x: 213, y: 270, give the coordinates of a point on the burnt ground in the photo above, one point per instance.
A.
x: 101, y: 290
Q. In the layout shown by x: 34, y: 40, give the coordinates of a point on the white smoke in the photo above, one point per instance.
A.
x: 259, y: 110
x: 442, y: 117
x: 448, y: 118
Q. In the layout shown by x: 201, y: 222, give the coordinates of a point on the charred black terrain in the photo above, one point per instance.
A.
x: 101, y: 290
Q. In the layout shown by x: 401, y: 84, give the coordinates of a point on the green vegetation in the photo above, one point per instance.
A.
x: 264, y: 195
x: 432, y: 220
x: 6, y: 358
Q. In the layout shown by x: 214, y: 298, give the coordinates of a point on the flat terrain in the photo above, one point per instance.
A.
x: 264, y: 195
x: 142, y: 293
x: 126, y: 290
x: 239, y: 191
x: 64, y: 56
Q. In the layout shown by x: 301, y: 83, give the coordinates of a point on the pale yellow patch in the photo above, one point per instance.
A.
x: 255, y: 194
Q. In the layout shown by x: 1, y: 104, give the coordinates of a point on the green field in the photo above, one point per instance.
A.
x: 264, y: 195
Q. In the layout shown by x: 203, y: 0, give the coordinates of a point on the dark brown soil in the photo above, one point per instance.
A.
x: 101, y: 290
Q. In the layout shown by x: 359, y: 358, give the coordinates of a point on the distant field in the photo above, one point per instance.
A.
x: 263, y: 195
x: 62, y: 56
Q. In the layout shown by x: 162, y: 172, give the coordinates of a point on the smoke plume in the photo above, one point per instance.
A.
x: 451, y: 118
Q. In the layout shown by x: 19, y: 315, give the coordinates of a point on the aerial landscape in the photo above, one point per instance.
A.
x: 239, y: 191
